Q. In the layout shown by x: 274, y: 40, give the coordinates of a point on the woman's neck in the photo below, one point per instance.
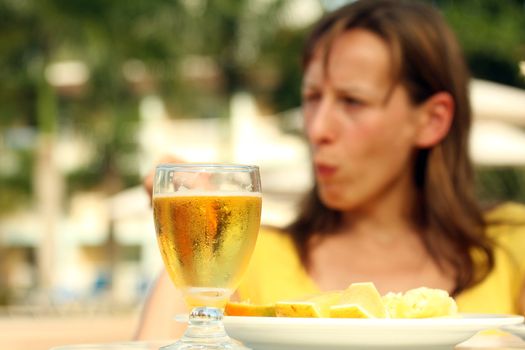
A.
x: 393, y: 256
x: 390, y: 212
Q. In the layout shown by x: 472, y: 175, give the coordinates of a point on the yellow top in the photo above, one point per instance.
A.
x: 276, y: 273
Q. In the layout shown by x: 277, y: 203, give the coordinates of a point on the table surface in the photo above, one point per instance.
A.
x: 493, y: 340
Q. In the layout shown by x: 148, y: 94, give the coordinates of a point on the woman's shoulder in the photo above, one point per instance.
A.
x: 275, y: 271
x: 506, y: 223
x: 509, y: 213
x: 272, y: 239
x: 506, y: 226
x: 498, y: 292
x: 269, y: 235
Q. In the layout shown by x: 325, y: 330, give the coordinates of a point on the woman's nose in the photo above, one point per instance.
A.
x: 321, y: 123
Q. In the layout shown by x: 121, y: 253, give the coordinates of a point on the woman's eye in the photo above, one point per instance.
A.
x: 311, y: 97
x: 351, y: 101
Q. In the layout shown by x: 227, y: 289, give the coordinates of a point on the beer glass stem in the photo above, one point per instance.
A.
x: 205, y: 331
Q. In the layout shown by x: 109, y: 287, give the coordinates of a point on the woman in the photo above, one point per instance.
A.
x: 387, y: 116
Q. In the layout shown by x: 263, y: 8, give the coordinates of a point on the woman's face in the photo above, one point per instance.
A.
x: 361, y: 126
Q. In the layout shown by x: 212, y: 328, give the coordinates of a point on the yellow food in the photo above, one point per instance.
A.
x: 248, y: 309
x: 316, y: 306
x: 420, y: 303
x: 349, y: 311
x: 359, y: 300
x: 365, y: 296
x: 298, y: 309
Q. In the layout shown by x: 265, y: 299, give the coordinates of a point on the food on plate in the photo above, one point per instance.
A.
x: 420, y: 303
x: 315, y: 306
x: 246, y: 308
x: 359, y: 300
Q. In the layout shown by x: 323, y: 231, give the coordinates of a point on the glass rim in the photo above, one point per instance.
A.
x: 198, y: 167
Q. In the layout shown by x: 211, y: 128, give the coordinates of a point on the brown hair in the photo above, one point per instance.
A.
x: 426, y: 59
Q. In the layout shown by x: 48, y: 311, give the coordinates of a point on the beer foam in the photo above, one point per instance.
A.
x: 188, y: 192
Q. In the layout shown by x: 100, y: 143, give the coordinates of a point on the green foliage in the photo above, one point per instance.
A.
x: 16, y: 187
x: 492, y: 34
x: 244, y: 44
x: 497, y: 184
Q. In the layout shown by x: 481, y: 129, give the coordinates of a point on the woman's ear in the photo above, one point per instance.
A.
x: 435, y: 118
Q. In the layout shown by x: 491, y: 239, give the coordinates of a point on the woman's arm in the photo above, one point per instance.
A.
x: 157, y: 319
x: 164, y: 300
x: 521, y: 302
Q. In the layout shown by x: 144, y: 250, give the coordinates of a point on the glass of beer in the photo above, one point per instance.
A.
x: 207, y: 218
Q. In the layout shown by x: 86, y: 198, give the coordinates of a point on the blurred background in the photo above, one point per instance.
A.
x: 94, y: 92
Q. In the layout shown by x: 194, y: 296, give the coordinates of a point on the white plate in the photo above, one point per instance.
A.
x: 516, y: 329
x: 282, y: 333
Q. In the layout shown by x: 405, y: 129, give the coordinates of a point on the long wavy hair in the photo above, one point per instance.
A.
x: 426, y: 59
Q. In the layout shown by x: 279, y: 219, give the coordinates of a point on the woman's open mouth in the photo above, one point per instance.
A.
x: 324, y: 171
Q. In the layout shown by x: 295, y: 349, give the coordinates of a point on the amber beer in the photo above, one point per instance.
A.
x: 206, y: 240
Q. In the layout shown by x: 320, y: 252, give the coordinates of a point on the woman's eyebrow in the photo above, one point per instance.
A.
x: 309, y: 86
x: 353, y: 89
x: 363, y: 88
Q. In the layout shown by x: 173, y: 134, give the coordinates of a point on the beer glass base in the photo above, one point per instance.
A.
x: 180, y: 345
x: 205, y: 332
